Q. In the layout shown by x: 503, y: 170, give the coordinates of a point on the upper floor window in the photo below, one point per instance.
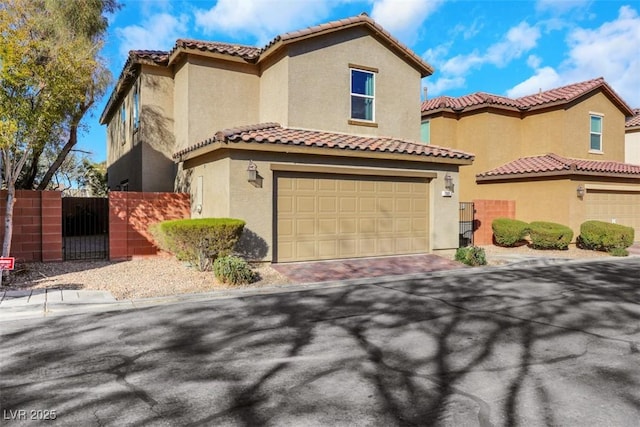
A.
x: 595, y: 133
x: 425, y: 131
x: 136, y: 107
x: 362, y: 95
x: 123, y: 124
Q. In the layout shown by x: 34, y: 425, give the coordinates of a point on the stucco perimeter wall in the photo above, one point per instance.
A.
x: 553, y: 200
x: 319, y: 85
x: 238, y: 198
x: 131, y: 214
x: 37, y: 225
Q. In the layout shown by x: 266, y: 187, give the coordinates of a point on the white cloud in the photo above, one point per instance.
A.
x: 610, y: 50
x: 261, y: 19
x: 443, y: 84
x: 157, y: 32
x: 404, y: 18
x: 534, y: 61
x: 516, y: 42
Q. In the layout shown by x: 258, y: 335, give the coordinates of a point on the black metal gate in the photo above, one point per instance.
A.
x: 85, y: 228
x: 467, y: 221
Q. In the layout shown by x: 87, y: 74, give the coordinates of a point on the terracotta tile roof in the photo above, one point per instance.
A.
x: 274, y: 134
x: 248, y: 53
x: 551, y: 164
x: 158, y: 57
x: 561, y: 95
x: 633, y: 121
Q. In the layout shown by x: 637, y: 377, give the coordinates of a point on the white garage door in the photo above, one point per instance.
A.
x: 621, y: 207
x: 322, y: 216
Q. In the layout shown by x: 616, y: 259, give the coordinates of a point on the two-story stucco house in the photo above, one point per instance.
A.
x: 559, y: 154
x: 313, y: 140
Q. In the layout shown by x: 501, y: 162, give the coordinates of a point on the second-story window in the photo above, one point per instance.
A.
x: 362, y: 95
x: 123, y: 124
x: 425, y: 131
x: 136, y: 107
x: 595, y: 133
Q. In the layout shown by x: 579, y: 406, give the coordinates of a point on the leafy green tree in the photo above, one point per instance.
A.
x: 50, y: 74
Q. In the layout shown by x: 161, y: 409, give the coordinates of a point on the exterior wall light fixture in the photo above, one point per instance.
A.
x: 252, y: 172
x: 580, y: 191
x: 448, y: 186
x: 448, y: 182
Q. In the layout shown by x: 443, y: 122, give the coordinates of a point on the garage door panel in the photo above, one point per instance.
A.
x: 329, y: 216
x: 615, y: 206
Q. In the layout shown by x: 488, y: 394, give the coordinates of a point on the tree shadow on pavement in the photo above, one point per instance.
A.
x: 555, y: 345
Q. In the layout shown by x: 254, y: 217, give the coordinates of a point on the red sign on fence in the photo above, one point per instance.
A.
x: 7, y: 263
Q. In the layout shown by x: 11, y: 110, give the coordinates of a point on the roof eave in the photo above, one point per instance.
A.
x: 213, y: 145
x: 551, y: 174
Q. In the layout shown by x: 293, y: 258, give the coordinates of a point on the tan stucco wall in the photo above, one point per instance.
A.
x: 156, y: 129
x: 319, y: 85
x: 237, y: 198
x: 632, y: 147
x: 211, y: 95
x: 274, y: 91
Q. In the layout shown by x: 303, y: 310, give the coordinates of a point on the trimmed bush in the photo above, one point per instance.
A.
x: 233, y: 270
x: 605, y: 236
x: 618, y: 252
x: 508, y: 232
x: 549, y: 235
x: 198, y: 241
x: 471, y: 255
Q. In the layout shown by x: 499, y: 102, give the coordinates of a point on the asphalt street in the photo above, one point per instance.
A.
x: 522, y: 346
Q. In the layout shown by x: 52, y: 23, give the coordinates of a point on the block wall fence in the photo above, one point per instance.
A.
x: 37, y: 223
x: 485, y: 212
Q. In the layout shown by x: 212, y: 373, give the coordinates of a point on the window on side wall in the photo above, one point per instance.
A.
x: 123, y: 124
x: 362, y: 95
x: 425, y: 131
x: 595, y: 133
x: 136, y: 107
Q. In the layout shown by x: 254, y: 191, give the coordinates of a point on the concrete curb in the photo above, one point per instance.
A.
x: 46, y: 303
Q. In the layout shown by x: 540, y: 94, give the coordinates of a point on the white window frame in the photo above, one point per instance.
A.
x: 136, y: 107
x: 359, y: 95
x: 591, y: 132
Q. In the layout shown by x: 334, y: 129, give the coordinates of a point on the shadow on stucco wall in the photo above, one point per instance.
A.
x: 251, y: 246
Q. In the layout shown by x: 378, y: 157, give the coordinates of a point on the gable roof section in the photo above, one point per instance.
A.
x: 361, y: 20
x: 273, y: 135
x: 553, y: 165
x: 633, y: 122
x: 253, y: 55
x: 554, y: 97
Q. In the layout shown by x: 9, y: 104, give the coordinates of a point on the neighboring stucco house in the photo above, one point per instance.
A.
x: 632, y: 138
x: 559, y: 154
x: 313, y: 140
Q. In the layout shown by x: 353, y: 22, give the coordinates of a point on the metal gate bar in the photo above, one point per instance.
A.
x: 85, y: 228
x: 467, y: 221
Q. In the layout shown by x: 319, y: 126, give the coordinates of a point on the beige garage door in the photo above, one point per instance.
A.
x: 339, y: 216
x: 619, y: 206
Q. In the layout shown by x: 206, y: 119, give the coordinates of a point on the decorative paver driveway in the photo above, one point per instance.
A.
x: 358, y: 268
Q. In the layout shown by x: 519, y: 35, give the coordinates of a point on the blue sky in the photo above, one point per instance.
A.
x: 510, y: 48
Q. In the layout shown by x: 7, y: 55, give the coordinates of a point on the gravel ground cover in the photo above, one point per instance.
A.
x: 164, y: 275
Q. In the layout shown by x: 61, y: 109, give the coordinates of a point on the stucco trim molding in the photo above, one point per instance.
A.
x: 601, y: 187
x: 350, y: 170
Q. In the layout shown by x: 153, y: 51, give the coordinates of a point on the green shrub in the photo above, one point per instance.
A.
x: 198, y: 241
x: 471, y: 255
x: 549, y: 235
x: 605, y: 236
x: 618, y: 252
x: 233, y: 270
x: 508, y: 232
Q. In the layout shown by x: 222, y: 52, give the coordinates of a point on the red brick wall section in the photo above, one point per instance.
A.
x: 485, y: 212
x: 37, y: 225
x: 131, y: 214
